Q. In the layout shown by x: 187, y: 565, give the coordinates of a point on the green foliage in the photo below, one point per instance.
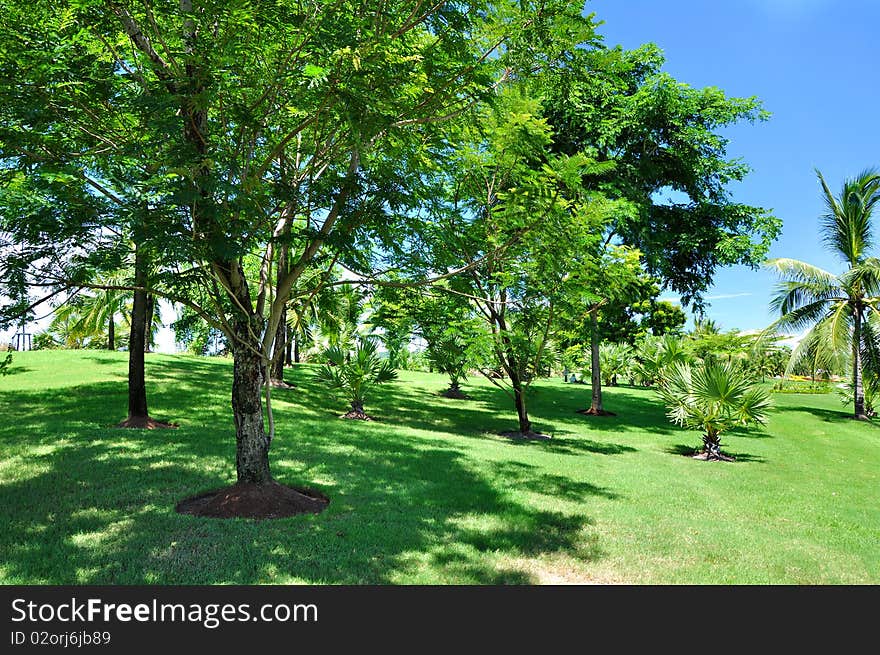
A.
x: 840, y: 311
x: 356, y: 373
x: 655, y: 356
x: 871, y: 392
x: 6, y: 363
x: 663, y: 317
x: 616, y: 359
x: 662, y: 135
x: 713, y: 398
x: 802, y: 386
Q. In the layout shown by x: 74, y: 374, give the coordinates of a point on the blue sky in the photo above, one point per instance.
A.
x: 814, y: 64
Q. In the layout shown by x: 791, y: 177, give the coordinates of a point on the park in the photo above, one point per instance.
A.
x: 417, y: 293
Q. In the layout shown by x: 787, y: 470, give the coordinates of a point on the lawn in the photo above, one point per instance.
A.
x: 427, y: 494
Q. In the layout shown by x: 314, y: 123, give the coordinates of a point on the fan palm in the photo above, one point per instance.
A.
x: 836, y: 308
x: 615, y: 360
x: 657, y: 354
x: 356, y: 374
x: 714, y: 398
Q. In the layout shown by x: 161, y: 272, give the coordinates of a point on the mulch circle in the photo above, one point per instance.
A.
x: 455, y: 394
x: 528, y: 436
x: 255, y: 501
x: 281, y: 384
x: 145, y: 423
x: 355, y: 415
x: 592, y: 412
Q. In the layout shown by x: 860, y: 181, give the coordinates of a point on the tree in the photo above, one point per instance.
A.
x: 519, y: 212
x: 616, y: 359
x: 269, y: 125
x: 614, y: 278
x: 662, y: 317
x: 93, y: 315
x: 456, y: 340
x: 356, y: 374
x: 835, y: 307
x: 656, y: 355
x: 714, y: 398
x: 670, y: 163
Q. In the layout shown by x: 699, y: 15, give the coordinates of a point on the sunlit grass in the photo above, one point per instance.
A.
x: 429, y: 493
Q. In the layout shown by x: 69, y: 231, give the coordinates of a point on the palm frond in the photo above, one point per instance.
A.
x: 790, y: 295
x: 794, y: 269
x: 803, y: 317
x: 846, y: 223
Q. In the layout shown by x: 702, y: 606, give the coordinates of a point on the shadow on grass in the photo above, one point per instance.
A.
x: 81, y: 503
x: 828, y: 415
x: 690, y: 451
x: 14, y: 370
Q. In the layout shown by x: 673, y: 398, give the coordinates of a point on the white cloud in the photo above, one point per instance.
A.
x: 727, y: 296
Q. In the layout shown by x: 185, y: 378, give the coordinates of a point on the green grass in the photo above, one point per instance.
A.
x: 428, y: 494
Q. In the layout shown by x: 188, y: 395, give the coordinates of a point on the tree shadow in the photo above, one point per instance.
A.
x: 690, y: 451
x: 575, y: 446
x: 528, y: 476
x: 84, y: 504
x: 827, y: 415
x: 15, y: 369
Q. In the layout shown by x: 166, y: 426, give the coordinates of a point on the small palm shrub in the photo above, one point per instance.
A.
x: 356, y: 373
x: 655, y: 355
x: 615, y: 360
x: 713, y: 398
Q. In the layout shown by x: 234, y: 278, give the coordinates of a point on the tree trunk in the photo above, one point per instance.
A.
x: 148, y: 322
x: 712, y: 448
x: 111, y: 333
x: 278, y: 350
x: 276, y: 367
x: 137, y: 389
x: 858, y: 387
x: 519, y: 398
x: 595, y: 366
x: 296, y: 357
x: 288, y: 357
x: 251, y: 440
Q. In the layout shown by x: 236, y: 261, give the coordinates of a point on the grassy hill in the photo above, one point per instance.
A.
x: 427, y: 494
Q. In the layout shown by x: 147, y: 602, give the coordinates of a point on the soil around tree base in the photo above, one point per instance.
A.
x: 280, y: 384
x: 145, y: 423
x: 526, y: 436
x: 706, y: 457
x: 355, y: 415
x: 255, y: 501
x: 456, y: 394
x: 595, y: 412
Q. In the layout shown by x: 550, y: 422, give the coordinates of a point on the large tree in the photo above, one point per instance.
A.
x: 840, y: 310
x: 278, y: 125
x: 671, y: 163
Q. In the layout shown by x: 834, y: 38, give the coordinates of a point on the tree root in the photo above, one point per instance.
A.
x: 595, y: 412
x: 145, y: 423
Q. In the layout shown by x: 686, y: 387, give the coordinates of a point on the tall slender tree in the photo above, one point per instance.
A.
x: 839, y: 310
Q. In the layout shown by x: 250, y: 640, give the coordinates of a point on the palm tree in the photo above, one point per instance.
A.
x: 835, y: 307
x: 655, y: 355
x: 356, y: 374
x: 85, y: 318
x: 714, y: 398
